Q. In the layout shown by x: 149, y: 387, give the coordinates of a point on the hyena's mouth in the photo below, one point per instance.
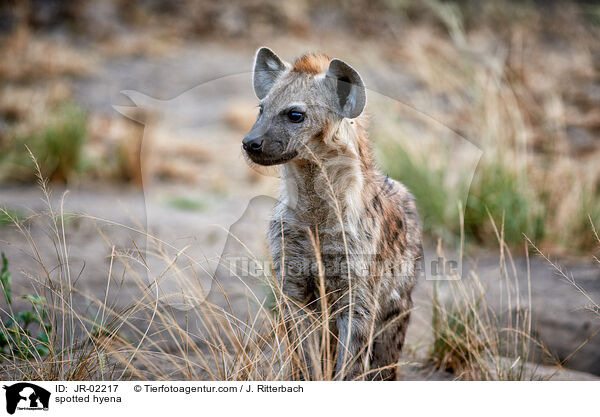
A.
x: 268, y: 160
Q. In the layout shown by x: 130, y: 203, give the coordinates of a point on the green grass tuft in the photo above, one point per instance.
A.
x: 57, y: 146
x: 187, y: 203
x: 496, y: 192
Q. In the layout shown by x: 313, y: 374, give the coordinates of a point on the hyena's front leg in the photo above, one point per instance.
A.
x: 353, y: 337
x: 298, y: 308
x: 304, y: 344
x: 354, y: 314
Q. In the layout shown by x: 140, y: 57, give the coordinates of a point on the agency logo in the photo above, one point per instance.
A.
x: 26, y: 396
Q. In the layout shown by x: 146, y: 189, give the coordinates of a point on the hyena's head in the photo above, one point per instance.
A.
x: 299, y: 103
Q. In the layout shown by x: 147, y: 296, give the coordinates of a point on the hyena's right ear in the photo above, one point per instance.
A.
x: 267, y: 68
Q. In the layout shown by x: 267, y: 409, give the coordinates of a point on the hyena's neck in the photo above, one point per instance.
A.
x: 334, y: 183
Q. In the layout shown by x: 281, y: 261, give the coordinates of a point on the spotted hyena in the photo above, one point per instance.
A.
x: 336, y: 211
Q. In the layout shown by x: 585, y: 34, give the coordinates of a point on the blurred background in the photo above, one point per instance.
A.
x: 140, y: 107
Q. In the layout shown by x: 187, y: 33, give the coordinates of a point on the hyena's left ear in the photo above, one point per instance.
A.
x: 267, y: 68
x: 349, y: 88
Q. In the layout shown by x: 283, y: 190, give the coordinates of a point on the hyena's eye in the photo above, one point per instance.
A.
x: 295, y: 116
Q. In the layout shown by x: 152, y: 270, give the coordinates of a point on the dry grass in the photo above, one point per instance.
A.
x: 28, y: 57
x: 482, y: 339
x: 153, y: 337
x: 147, y: 339
x: 156, y: 336
x: 527, y: 105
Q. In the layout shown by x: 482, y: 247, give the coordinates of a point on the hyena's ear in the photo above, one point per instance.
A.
x: 349, y: 88
x: 267, y: 68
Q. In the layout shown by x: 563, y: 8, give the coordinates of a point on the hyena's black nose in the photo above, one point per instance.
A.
x: 252, y: 144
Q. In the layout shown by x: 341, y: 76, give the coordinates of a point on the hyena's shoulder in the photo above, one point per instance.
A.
x: 395, y: 207
x: 401, y: 200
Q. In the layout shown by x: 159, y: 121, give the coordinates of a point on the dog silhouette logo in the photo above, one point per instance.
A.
x: 26, y: 396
